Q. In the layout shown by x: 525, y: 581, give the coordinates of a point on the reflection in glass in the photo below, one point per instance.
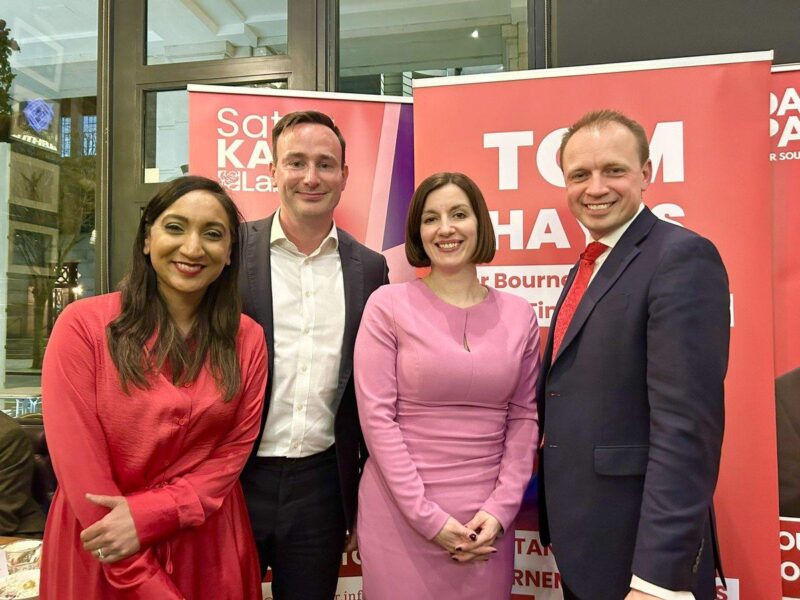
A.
x: 48, y: 132
x: 166, y: 135
x: 385, y: 45
x: 166, y: 132
x: 179, y: 31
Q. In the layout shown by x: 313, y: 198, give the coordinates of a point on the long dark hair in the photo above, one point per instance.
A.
x: 144, y: 311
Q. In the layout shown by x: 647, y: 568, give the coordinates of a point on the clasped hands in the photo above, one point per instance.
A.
x: 113, y: 537
x: 471, y: 541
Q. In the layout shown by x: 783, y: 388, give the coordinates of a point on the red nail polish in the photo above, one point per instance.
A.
x: 473, y: 537
x: 458, y: 548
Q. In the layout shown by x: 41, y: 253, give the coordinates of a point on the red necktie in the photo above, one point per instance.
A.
x: 579, y: 285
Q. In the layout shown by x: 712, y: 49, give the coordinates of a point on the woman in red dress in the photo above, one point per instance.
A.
x: 152, y: 402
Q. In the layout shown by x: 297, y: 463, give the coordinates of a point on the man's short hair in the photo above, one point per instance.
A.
x: 415, y: 252
x: 598, y: 118
x: 305, y: 116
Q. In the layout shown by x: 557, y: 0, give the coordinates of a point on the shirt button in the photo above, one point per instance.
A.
x: 187, y: 384
x: 182, y: 421
x: 304, y: 368
x: 299, y: 408
x: 305, y: 330
x: 308, y: 294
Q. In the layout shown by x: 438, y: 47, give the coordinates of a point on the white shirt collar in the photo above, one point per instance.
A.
x: 278, y: 235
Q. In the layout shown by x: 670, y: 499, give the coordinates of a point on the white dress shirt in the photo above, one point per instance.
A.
x: 637, y: 583
x: 611, y: 240
x: 308, y: 314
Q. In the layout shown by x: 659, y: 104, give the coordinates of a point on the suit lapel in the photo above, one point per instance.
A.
x: 259, y: 276
x: 618, y: 260
x: 259, y: 280
x: 353, y: 279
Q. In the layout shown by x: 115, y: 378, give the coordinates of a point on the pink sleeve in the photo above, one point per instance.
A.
x: 375, y: 361
x: 189, y: 500
x: 522, y: 432
x: 78, y: 447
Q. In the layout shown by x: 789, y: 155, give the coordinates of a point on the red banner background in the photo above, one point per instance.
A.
x: 707, y: 131
x: 784, y: 113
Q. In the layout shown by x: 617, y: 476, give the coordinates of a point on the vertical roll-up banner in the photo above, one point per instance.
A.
x: 230, y: 141
x: 705, y: 120
x: 784, y: 129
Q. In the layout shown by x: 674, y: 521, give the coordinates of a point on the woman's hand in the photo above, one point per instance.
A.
x: 113, y: 537
x: 351, y: 540
x: 454, y: 535
x: 482, y: 547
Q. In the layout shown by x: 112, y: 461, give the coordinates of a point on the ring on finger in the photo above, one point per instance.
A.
x: 99, y: 553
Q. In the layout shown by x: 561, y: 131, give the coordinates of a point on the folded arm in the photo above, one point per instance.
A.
x: 375, y: 363
x: 189, y: 500
x: 522, y: 435
x: 79, y: 451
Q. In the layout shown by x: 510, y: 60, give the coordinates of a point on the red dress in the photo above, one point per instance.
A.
x: 174, y: 452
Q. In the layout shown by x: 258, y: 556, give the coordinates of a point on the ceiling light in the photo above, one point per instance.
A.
x: 474, y: 35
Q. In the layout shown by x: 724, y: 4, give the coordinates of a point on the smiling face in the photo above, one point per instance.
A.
x: 449, y: 228
x: 189, y: 245
x: 604, y: 177
x: 308, y: 172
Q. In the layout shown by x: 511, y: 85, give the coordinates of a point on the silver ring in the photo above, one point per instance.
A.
x: 100, y: 553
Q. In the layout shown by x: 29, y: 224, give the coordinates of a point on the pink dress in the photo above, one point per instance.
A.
x: 450, y: 431
x: 174, y: 452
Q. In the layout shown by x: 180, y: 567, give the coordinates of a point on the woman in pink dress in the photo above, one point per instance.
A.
x: 152, y: 402
x: 445, y: 372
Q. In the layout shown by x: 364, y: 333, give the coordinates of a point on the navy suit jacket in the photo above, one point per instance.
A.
x: 632, y: 412
x: 363, y: 271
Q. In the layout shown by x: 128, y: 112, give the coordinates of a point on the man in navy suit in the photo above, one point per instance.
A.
x: 306, y: 282
x: 631, y: 398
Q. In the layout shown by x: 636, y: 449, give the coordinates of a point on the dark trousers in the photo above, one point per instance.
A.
x: 295, y: 507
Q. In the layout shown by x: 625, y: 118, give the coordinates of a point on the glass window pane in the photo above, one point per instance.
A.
x: 48, y: 170
x: 166, y: 132
x: 166, y: 139
x: 180, y: 31
x: 386, y: 44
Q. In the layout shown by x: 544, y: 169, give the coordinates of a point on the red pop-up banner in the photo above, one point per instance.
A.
x: 705, y: 120
x: 784, y: 129
x: 230, y: 140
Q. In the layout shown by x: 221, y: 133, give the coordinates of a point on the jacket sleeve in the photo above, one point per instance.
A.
x: 688, y: 331
x: 375, y: 362
x: 79, y: 451
x: 16, y: 475
x: 189, y: 500
x: 516, y: 466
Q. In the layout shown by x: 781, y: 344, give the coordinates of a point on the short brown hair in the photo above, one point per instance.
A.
x: 305, y: 116
x: 415, y: 252
x: 598, y: 118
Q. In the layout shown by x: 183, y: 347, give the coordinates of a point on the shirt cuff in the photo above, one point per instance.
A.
x: 646, y: 587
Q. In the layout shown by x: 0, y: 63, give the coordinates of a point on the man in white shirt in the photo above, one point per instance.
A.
x: 631, y: 399
x: 306, y: 282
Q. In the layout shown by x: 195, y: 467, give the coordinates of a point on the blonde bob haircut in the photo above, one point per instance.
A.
x: 484, y: 250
